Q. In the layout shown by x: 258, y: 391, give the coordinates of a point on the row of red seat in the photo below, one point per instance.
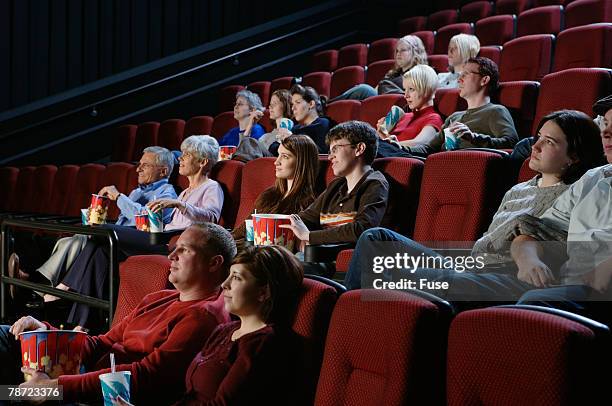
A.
x: 383, y: 347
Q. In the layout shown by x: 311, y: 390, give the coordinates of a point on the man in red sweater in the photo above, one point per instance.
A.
x: 157, y: 340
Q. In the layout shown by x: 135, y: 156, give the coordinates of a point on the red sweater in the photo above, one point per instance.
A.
x: 156, y: 342
x: 258, y: 368
x: 411, y: 124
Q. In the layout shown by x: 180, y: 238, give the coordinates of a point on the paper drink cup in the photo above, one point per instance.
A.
x: 84, y: 216
x: 286, y: 123
x: 142, y: 222
x: 156, y: 221
x: 98, y: 209
x: 115, y: 384
x: 226, y: 152
x: 267, y: 230
x: 450, y: 140
x: 54, y: 352
x: 249, y: 230
x: 391, y: 119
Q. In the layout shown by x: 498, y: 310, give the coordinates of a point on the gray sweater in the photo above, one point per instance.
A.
x: 524, y: 198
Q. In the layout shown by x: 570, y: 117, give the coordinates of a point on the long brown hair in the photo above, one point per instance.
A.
x: 284, y: 97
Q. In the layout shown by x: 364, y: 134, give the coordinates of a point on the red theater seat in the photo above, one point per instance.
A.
x: 123, y: 143
x: 588, y: 46
x: 520, y: 98
x: 146, y: 136
x: 320, y: 81
x: 171, y: 134
x: 326, y: 61
x: 383, y: 348
x: 262, y: 89
x: 428, y: 38
x: 438, y: 62
x: 344, y: 110
x: 496, y: 30
x: 382, y: 49
x: 229, y: 176
x: 115, y: 174
x: 444, y: 35
x: 526, y: 58
x: 257, y: 176
x: 23, y: 190
x: 8, y: 184
x: 281, y: 83
x: 474, y: 11
x: 540, y: 20
x: 63, y: 186
x: 353, y: 54
x: 43, y: 179
x: 86, y: 184
x: 582, y: 12
x: 373, y: 108
x: 377, y: 70
x: 493, y: 52
x: 511, y: 6
x: 440, y: 19
x: 199, y: 125
x: 227, y: 97
x: 223, y: 123
x: 526, y: 172
x: 412, y: 24
x: 447, y: 101
x: 345, y: 78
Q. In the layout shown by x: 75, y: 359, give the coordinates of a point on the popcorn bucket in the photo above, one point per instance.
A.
x: 98, y: 209
x: 226, y: 152
x: 267, y: 230
x: 54, y: 352
x: 142, y: 222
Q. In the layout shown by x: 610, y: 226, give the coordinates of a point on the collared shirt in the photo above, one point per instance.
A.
x: 135, y: 203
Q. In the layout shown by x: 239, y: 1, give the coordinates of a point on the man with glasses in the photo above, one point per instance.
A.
x: 153, y: 170
x: 353, y: 202
x: 483, y: 124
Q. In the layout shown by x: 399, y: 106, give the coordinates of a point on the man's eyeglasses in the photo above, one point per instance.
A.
x: 334, y: 150
x: 146, y: 165
x: 466, y: 72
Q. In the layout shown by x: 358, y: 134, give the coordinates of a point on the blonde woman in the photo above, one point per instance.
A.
x: 409, y: 52
x: 461, y: 48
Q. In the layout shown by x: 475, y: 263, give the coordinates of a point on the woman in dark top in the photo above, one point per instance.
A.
x: 253, y: 360
x: 308, y: 109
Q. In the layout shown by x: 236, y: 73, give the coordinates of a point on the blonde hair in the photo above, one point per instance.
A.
x: 467, y: 45
x: 425, y: 80
x: 419, y: 55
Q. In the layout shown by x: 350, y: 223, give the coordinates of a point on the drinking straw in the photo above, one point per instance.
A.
x: 112, y: 359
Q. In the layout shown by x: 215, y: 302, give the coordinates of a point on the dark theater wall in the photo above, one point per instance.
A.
x: 49, y: 46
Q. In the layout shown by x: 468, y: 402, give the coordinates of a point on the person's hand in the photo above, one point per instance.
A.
x: 122, y: 402
x: 380, y: 128
x: 160, y: 204
x: 255, y: 116
x: 110, y: 191
x: 535, y: 272
x: 26, y: 323
x: 461, y: 131
x: 282, y: 133
x: 298, y: 227
x: 37, y: 379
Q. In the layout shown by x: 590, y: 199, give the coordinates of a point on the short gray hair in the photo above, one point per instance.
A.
x: 252, y: 99
x: 163, y: 157
x: 201, y: 147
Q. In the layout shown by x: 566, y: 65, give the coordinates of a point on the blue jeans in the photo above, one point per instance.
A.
x: 357, y: 92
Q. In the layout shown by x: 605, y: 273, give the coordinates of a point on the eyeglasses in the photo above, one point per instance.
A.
x: 466, y: 72
x: 335, y: 148
x: 146, y: 165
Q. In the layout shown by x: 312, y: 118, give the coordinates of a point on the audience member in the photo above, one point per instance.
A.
x: 461, y: 48
x: 280, y: 107
x: 248, y: 110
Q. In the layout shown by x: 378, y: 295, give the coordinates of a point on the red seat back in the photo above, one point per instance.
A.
x: 382, y: 49
x: 123, y: 138
x: 496, y: 30
x: 438, y: 62
x: 262, y: 89
x: 540, y: 20
x: 346, y: 78
x: 171, y: 134
x: 447, y: 101
x: 353, y: 54
x: 63, y: 188
x: 257, y: 176
x: 8, y: 184
x: 86, y: 184
x: 520, y: 98
x: 411, y: 24
x: 526, y: 172
x: 344, y: 110
x: 428, y: 38
x: 441, y: 18
x: 571, y: 51
x: 227, y: 97
x: 493, y: 52
x: 281, y: 83
x: 326, y: 61
x: 373, y: 108
x: 526, y: 58
x: 583, y: 12
x: 42, y: 183
x: 146, y: 136
x: 474, y: 11
x: 377, y: 71
x: 198, y: 125
x: 444, y: 35
x: 116, y: 174
x: 223, y: 123
x: 511, y: 6
x: 320, y: 81
x: 229, y: 176
x: 23, y: 190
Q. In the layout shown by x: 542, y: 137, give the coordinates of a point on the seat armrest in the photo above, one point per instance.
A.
x: 324, y: 252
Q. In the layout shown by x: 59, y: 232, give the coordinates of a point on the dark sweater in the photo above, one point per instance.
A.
x: 337, y: 216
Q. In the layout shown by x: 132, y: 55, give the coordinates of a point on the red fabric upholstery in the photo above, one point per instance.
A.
x: 526, y: 172
x: 571, y: 51
x: 526, y: 58
x: 140, y: 275
x: 198, y: 125
x: 223, y: 123
x: 383, y: 348
x: 496, y: 30
x: 377, y: 70
x: 447, y: 101
x: 320, y: 81
x: 574, y: 89
x: 511, y: 6
x: 123, y: 143
x: 540, y: 20
x: 265, y: 121
x: 116, y: 174
x: 440, y: 19
x: 353, y: 54
x: 8, y: 184
x: 229, y: 175
x: 343, y: 260
x: 227, y: 97
x: 344, y: 110
x: 428, y: 38
x: 326, y: 61
x: 507, y: 356
x: 171, y: 134
x: 311, y: 322
x: 412, y: 24
x: 493, y: 52
x: 257, y: 176
x: 23, y: 190
x: 146, y: 136
x: 42, y: 183
x: 438, y: 62
x: 445, y: 33
x: 404, y: 177
x: 474, y: 11
x: 382, y: 49
x: 583, y: 12
x: 345, y: 78
x: 373, y: 108
x: 460, y: 192
x: 86, y: 184
x: 262, y: 89
x: 520, y: 98
x: 281, y: 83
x: 540, y: 3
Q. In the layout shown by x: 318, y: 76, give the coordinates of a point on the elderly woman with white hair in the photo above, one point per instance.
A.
x: 248, y: 110
x: 461, y: 48
x: 203, y: 199
x: 418, y: 128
